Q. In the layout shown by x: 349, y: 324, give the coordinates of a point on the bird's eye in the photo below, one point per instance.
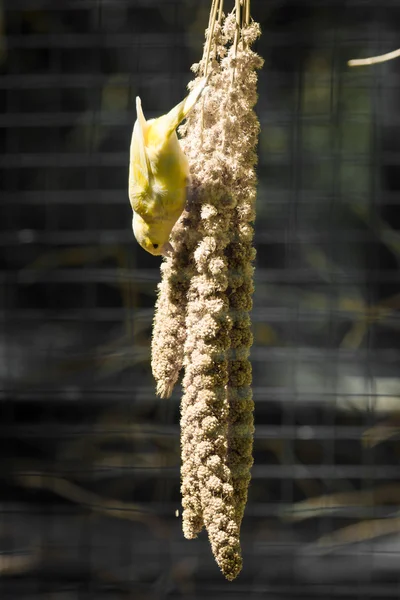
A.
x: 155, y: 245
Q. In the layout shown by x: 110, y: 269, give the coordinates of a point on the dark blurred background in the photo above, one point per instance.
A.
x: 89, y: 469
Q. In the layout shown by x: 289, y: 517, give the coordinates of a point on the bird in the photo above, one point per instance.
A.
x: 159, y: 174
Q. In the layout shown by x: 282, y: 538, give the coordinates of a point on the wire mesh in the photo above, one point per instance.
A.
x: 90, y: 456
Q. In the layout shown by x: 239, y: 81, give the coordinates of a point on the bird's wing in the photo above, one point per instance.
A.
x: 139, y: 165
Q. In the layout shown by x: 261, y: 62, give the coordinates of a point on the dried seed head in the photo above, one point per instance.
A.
x: 202, y: 321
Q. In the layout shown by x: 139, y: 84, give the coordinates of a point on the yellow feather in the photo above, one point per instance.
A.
x: 159, y: 174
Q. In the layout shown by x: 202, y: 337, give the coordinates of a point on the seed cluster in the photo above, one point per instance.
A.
x: 202, y: 318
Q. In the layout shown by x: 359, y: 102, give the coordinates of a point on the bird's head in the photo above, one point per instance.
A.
x: 150, y: 238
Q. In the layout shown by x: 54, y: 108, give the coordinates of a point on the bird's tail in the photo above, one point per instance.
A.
x: 138, y: 144
x: 140, y: 116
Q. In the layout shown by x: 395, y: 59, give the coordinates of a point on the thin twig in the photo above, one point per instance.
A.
x: 20, y: 563
x: 312, y: 508
x: 247, y: 18
x: 373, y: 60
x: 210, y: 33
x: 220, y: 11
x: 236, y: 40
x: 74, y: 493
x: 360, y: 532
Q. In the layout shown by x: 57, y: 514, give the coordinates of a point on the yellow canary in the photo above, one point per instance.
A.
x: 159, y: 174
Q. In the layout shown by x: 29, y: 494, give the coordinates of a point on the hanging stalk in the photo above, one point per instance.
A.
x: 205, y: 294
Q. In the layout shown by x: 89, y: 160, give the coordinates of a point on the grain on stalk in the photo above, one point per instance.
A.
x: 169, y: 330
x: 209, y: 317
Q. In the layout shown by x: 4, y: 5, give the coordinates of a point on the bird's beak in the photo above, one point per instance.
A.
x: 168, y: 250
